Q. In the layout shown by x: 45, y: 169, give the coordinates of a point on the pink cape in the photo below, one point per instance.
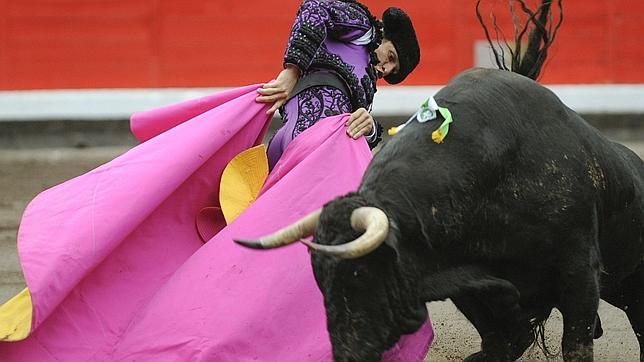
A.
x: 118, y: 271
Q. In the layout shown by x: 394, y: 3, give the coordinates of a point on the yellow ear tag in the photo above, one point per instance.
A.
x: 242, y: 180
x: 15, y: 317
x: 441, y: 132
x: 394, y: 130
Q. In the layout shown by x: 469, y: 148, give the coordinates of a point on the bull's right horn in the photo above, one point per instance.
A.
x: 287, y: 235
x: 375, y: 224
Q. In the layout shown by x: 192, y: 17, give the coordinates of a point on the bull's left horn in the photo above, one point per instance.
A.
x: 375, y: 224
x: 287, y: 235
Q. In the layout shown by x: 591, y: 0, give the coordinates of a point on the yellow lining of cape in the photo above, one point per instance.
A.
x: 242, y: 180
x: 15, y: 317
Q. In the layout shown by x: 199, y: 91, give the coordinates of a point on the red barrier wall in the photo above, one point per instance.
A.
x: 203, y: 43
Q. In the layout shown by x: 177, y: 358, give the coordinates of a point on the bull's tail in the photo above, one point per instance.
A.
x: 542, y: 31
x: 539, y: 332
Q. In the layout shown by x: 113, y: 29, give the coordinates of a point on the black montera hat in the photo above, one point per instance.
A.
x: 400, y: 31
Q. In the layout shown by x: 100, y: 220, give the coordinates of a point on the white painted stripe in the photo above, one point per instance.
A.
x: 101, y: 104
x: 602, y: 98
x: 90, y: 104
x: 609, y: 98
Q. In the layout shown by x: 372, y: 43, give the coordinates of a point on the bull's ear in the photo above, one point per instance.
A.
x: 393, y: 238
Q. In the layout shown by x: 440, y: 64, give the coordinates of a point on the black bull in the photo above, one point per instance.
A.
x: 524, y: 207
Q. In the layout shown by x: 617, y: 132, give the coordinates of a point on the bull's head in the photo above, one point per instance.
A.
x: 370, y: 298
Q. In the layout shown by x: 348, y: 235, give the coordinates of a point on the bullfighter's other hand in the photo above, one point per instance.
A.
x: 277, y: 90
x: 360, y: 123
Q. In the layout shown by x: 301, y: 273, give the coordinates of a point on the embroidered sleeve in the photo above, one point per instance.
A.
x: 317, y: 19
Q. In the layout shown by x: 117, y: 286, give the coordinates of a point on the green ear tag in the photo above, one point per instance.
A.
x: 441, y: 132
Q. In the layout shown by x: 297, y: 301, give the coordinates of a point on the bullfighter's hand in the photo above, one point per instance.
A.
x: 360, y: 123
x: 277, y: 90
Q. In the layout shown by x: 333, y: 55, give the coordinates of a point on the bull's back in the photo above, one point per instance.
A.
x: 553, y: 169
x: 567, y: 170
x: 517, y: 154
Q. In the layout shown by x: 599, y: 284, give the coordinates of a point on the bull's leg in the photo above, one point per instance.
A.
x: 629, y: 297
x: 481, y: 319
x: 578, y: 304
x: 504, y: 335
x: 478, y: 294
x: 490, y: 303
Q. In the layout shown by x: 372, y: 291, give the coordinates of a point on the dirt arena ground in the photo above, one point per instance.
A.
x: 24, y: 173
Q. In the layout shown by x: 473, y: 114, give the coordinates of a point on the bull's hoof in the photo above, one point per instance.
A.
x: 599, y: 331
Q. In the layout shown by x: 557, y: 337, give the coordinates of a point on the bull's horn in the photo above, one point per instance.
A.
x: 376, y: 226
x: 287, y: 235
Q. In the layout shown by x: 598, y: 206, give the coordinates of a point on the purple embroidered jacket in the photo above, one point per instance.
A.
x: 329, y: 36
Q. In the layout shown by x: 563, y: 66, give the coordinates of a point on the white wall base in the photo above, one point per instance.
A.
x: 101, y: 104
